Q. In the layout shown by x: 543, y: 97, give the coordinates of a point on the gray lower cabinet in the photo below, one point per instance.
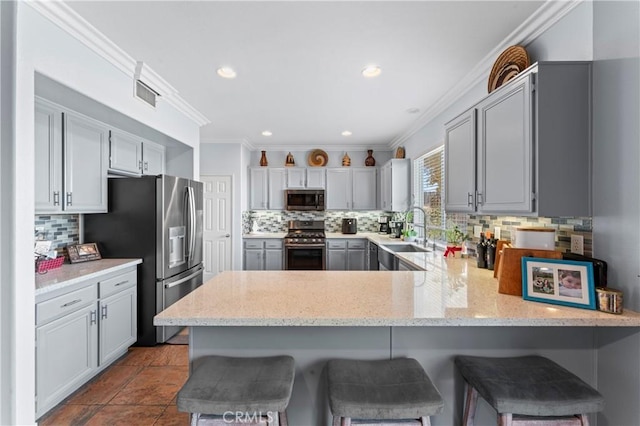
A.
x: 263, y: 254
x: 79, y: 333
x: 346, y: 254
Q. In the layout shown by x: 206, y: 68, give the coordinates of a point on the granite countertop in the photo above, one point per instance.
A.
x: 264, y: 235
x: 68, y: 275
x: 451, y: 292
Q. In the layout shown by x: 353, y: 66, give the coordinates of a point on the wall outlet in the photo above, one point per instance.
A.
x: 496, y: 232
x: 477, y: 230
x: 577, y: 244
x: 279, y: 218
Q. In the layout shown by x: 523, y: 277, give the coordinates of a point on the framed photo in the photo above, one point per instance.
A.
x: 558, y: 281
x: 83, y: 252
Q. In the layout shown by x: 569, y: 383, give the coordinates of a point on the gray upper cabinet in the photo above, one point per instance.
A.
x: 131, y: 154
x: 351, y: 188
x: 277, y: 185
x: 296, y: 178
x: 316, y: 178
x: 460, y: 144
x: 86, y: 152
x: 364, y: 188
x: 300, y: 177
x: 48, y: 154
x: 258, y: 193
x: 532, y: 145
x: 395, y: 183
x: 338, y: 194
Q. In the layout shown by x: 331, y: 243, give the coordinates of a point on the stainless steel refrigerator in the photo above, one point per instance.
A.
x: 158, y: 219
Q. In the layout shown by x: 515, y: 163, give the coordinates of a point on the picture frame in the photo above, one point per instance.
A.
x: 83, y: 252
x: 559, y: 281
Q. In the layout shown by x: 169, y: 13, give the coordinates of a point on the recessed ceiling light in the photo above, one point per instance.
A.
x: 226, y: 72
x: 413, y: 110
x: 266, y: 133
x: 371, y: 71
x: 346, y: 133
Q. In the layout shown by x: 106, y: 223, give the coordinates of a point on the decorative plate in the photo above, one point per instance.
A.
x: 318, y: 158
x: 510, y: 62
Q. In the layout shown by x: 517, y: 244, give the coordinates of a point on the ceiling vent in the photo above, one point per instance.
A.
x: 142, y: 90
x: 146, y: 93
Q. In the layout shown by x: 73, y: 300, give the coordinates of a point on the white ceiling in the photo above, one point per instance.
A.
x: 299, y: 63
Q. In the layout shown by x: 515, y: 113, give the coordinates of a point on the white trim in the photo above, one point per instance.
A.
x: 67, y: 19
x: 541, y: 20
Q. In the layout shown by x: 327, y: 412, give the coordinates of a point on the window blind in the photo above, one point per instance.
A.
x: 428, y: 184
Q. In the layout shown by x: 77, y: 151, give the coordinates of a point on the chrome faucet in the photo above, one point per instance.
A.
x: 424, y: 223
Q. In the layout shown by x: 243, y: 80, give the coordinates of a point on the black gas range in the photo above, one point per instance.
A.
x: 304, y: 245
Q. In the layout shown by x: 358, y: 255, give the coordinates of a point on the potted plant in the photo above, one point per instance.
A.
x: 409, y: 235
x: 455, y: 237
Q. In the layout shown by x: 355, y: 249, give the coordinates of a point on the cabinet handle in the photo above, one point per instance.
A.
x: 73, y: 302
x: 69, y: 199
x: 93, y: 318
x: 56, y: 198
x: 469, y: 199
x: 480, y: 198
x: 121, y: 282
x: 104, y: 313
x: 146, y: 165
x: 140, y: 164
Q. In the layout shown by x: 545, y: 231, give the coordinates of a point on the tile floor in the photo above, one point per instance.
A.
x: 138, y: 389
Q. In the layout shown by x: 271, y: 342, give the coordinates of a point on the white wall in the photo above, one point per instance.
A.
x: 45, y: 48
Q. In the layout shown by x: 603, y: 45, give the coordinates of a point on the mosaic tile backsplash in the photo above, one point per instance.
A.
x: 278, y: 221
x: 62, y: 229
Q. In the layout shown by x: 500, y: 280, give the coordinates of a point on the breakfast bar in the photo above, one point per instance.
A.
x: 449, y: 308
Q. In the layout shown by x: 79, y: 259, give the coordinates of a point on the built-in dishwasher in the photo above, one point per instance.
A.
x: 373, y: 257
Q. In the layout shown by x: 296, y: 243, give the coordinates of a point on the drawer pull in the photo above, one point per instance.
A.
x: 121, y: 282
x: 73, y: 302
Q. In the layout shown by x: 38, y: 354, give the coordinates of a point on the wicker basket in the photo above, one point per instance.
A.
x: 510, y: 62
x: 43, y: 265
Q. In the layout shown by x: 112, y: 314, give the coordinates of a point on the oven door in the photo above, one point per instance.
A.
x: 304, y: 257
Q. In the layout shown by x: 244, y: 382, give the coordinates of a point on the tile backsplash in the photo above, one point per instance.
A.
x: 278, y: 220
x: 61, y: 229
x: 564, y: 226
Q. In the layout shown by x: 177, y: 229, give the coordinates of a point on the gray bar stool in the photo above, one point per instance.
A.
x: 381, y: 392
x: 253, y: 390
x: 527, y: 390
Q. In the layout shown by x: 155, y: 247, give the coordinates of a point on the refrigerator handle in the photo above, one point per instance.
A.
x: 183, y: 280
x: 191, y: 202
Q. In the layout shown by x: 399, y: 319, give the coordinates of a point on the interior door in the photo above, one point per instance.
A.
x: 217, y: 225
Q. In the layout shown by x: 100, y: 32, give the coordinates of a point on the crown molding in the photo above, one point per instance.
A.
x: 541, y: 20
x: 328, y: 147
x: 79, y: 28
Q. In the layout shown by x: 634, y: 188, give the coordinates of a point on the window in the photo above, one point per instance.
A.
x: 428, y: 186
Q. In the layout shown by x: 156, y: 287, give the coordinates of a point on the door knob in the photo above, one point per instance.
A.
x: 227, y: 236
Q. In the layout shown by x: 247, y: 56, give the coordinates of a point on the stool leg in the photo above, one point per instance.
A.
x: 346, y: 421
x: 470, y: 405
x: 505, y: 419
x: 336, y: 421
x: 584, y: 419
x: 273, y: 418
x: 194, y: 419
x: 425, y: 421
x: 283, y: 418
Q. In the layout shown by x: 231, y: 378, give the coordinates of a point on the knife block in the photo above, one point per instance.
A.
x: 510, y: 267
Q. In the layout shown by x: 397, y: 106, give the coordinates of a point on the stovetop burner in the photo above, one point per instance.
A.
x: 305, y: 232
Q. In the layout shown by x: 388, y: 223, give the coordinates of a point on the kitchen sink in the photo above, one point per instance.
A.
x: 405, y: 248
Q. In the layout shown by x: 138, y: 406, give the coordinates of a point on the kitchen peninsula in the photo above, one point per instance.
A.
x: 449, y: 308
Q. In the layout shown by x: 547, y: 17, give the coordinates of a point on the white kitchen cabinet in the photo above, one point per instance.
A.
x: 81, y: 332
x: 532, y: 142
x: 351, y: 189
x: 118, y: 316
x: 263, y: 254
x: 258, y: 191
x: 395, y: 183
x: 152, y: 159
x: 131, y: 154
x: 300, y: 177
x: 277, y: 185
x: 86, y: 153
x: 48, y: 155
x: 71, y: 160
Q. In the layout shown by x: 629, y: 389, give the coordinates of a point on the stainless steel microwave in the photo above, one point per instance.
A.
x: 304, y: 199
